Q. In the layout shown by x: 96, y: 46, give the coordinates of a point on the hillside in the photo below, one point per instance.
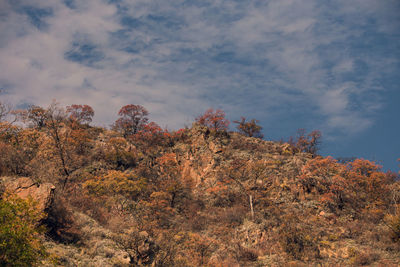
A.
x: 200, y: 196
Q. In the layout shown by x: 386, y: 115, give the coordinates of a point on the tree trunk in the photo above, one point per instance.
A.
x: 251, y: 206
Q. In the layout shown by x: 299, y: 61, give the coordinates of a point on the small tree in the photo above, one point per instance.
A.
x: 308, y: 143
x: 250, y: 129
x: 53, y: 121
x: 37, y: 116
x: 4, y: 111
x: 133, y: 118
x: 82, y: 114
x: 214, y: 120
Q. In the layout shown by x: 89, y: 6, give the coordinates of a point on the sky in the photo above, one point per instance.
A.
x: 327, y: 65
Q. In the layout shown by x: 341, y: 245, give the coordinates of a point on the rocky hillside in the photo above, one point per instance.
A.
x: 194, y: 197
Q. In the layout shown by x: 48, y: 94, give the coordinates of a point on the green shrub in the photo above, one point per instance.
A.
x: 19, y: 233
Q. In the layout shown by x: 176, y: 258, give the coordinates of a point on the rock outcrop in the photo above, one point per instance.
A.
x: 25, y: 187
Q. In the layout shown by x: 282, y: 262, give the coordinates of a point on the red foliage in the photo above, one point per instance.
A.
x: 151, y: 133
x: 214, y: 120
x: 133, y: 118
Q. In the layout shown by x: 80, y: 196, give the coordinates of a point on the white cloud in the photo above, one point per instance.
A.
x: 177, y: 60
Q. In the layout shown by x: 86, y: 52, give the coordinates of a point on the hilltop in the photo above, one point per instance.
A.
x: 138, y: 195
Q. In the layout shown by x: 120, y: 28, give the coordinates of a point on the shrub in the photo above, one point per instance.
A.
x: 117, y: 183
x: 393, y: 222
x: 298, y: 242
x: 243, y: 254
x: 362, y: 258
x: 60, y: 222
x: 19, y: 233
x: 118, y: 153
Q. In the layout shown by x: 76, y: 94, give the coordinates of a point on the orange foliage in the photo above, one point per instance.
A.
x: 360, y: 183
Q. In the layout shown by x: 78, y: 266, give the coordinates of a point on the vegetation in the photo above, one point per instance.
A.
x: 19, y: 233
x: 215, y: 120
x: 139, y: 195
x: 250, y: 129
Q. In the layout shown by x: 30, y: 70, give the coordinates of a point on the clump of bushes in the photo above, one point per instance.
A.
x: 393, y: 222
x: 19, y: 233
x: 298, y: 242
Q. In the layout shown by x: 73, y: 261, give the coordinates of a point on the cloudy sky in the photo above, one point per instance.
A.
x: 328, y: 65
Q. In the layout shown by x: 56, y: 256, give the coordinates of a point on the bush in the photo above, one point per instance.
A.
x: 393, y: 222
x: 60, y: 222
x: 243, y: 254
x: 298, y: 242
x: 19, y: 233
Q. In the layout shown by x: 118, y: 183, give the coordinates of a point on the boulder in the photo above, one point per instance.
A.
x: 25, y: 187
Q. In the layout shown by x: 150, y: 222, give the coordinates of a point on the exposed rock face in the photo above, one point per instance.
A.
x: 208, y: 153
x: 201, y: 157
x: 25, y: 187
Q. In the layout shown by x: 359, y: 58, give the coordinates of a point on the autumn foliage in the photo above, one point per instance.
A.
x: 141, y: 195
x: 82, y: 114
x: 215, y: 120
x: 132, y: 119
x: 308, y: 143
x: 250, y: 128
x: 358, y: 185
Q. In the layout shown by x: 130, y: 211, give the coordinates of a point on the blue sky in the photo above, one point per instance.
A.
x: 328, y: 65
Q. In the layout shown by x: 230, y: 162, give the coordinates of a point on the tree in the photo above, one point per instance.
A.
x: 55, y: 118
x: 359, y: 184
x: 307, y: 143
x: 133, y: 118
x: 250, y: 129
x: 37, y: 116
x: 82, y: 114
x: 4, y: 111
x: 368, y: 182
x: 214, y: 120
x: 326, y: 177
x: 149, y: 132
x: 170, y: 171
